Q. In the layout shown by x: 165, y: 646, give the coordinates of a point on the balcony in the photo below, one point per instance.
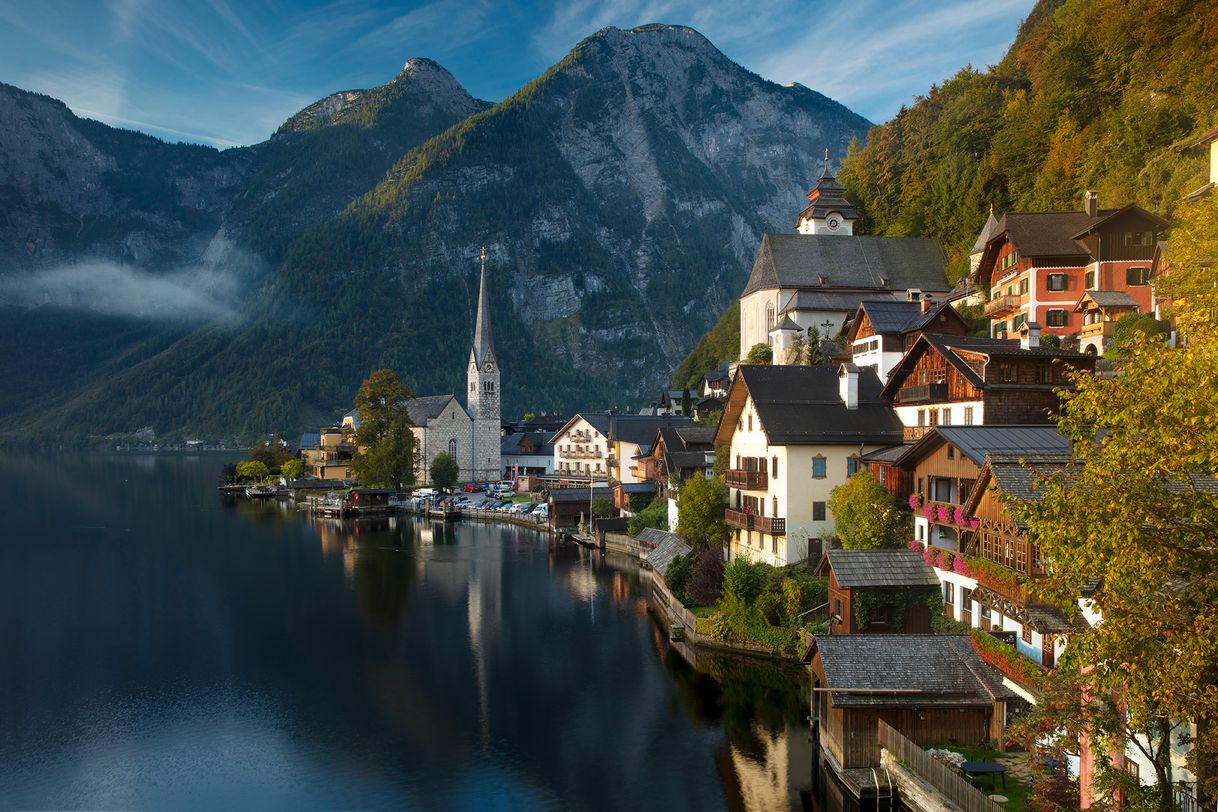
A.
x: 584, y: 454
x: 1002, y: 305
x: 738, y: 519
x: 748, y: 521
x: 926, y: 393
x: 767, y: 524
x: 747, y: 480
x: 916, y: 432
x: 1099, y: 328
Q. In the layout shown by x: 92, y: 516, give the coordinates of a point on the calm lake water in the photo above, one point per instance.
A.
x: 161, y: 647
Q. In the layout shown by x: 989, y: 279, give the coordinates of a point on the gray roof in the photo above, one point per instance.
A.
x: 1111, y: 298
x: 427, y: 408
x: 484, y: 345
x: 803, y: 405
x: 987, y: 231
x: 509, y: 444
x: 950, y: 346
x: 1016, y: 474
x: 577, y: 494
x: 942, y: 669
x: 832, y: 301
x: 870, y: 568
x: 890, y: 454
x: 975, y: 442
x: 1047, y: 233
x: 848, y: 263
x: 641, y: 429
x: 668, y: 546
x: 309, y: 439
x: 890, y: 315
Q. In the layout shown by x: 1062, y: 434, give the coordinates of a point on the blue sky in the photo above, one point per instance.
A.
x: 224, y: 72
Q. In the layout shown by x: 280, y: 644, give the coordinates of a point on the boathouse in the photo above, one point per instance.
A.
x: 879, y: 591
x: 930, y: 688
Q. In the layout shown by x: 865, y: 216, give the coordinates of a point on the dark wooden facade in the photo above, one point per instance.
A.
x: 842, y: 605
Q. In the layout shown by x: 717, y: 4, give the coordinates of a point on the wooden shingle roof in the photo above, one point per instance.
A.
x: 872, y: 568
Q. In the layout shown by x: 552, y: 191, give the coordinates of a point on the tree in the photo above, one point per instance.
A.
x: 706, y: 580
x: 384, y: 437
x: 865, y: 516
x: 654, y: 515
x: 292, y: 469
x: 444, y: 470
x: 602, y: 507
x: 676, y: 576
x: 1136, y: 512
x: 529, y: 417
x: 742, y: 582
x: 256, y: 470
x: 700, y: 512
x: 687, y: 405
x: 272, y: 454
x: 1129, y: 330
x: 759, y: 354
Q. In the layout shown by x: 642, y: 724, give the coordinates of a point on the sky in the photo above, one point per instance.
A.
x: 227, y: 73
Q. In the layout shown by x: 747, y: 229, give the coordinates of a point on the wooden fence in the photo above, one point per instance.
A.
x: 940, y: 776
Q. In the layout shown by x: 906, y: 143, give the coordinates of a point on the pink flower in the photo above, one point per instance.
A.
x: 958, y: 517
x: 915, y: 545
x: 943, y: 513
x: 958, y: 566
x: 928, y: 511
x: 974, y: 523
x: 915, y: 501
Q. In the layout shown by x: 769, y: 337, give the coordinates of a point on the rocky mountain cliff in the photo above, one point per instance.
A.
x: 621, y: 196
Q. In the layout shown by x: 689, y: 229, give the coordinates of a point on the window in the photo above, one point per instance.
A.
x: 945, y: 417
x: 452, y: 448
x: 737, y: 462
x: 1046, y: 374
x: 921, y: 417
x: 853, y: 466
x: 1057, y: 281
x: 1055, y: 317
x: 968, y: 415
x: 966, y: 599
x: 1019, y: 321
x: 818, y: 511
x: 1025, y: 633
x: 951, y: 451
x: 1089, y: 280
x: 769, y: 317
x: 775, y: 513
x: 1139, y: 237
x: 750, y: 422
x: 1137, y: 276
x: 1010, y: 290
x: 1000, y: 329
x: 919, y: 484
x: 774, y: 469
x: 818, y: 467
x: 774, y: 545
x: 1023, y: 286
x: 949, y: 593
x: 934, y: 417
x: 1010, y: 259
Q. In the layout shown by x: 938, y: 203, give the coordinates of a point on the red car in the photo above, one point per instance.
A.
x: 470, y: 488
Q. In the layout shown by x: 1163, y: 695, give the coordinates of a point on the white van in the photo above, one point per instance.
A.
x: 504, y: 488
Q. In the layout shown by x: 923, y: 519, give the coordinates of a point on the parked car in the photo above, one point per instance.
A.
x: 470, y: 488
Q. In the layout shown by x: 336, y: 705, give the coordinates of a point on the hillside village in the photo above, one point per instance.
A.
x: 857, y: 358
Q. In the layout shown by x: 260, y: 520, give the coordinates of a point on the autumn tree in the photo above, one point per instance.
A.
x: 865, y: 516
x: 700, y: 512
x: 253, y: 469
x: 292, y: 469
x: 384, y: 438
x: 1137, y: 514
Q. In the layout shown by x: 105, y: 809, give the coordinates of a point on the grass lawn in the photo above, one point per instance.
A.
x: 1016, y: 791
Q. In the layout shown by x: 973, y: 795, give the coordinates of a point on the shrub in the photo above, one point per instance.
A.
x: 741, y: 582
x: 706, y: 581
x: 770, y: 604
x: 654, y: 515
x: 677, y: 577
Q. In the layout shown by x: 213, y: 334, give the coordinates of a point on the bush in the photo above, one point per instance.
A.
x: 741, y: 582
x: 770, y: 604
x: 865, y: 516
x: 654, y: 515
x: 706, y: 581
x: 677, y: 577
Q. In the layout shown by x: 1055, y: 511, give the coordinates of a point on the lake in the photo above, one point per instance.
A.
x: 161, y: 646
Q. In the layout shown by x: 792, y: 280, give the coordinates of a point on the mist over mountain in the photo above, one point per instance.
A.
x: 621, y: 196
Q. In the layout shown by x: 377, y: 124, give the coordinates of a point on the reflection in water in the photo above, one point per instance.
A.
x: 164, y: 647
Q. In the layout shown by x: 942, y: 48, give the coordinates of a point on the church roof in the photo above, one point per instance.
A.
x: 427, y: 408
x: 484, y: 345
x: 824, y: 263
x: 988, y: 231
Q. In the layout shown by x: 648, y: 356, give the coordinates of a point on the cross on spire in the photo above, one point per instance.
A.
x: 826, y: 172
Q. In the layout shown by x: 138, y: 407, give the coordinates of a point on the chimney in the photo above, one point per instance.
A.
x: 913, y: 295
x: 1029, y: 335
x: 1091, y: 203
x: 848, y: 385
x: 927, y: 303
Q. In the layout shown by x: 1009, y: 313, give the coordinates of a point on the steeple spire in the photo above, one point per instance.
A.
x: 484, y: 346
x: 826, y: 170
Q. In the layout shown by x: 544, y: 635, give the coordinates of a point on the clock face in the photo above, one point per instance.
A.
x: 834, y: 222
x: 489, y: 367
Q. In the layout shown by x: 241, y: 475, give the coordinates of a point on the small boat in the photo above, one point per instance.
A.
x: 259, y: 491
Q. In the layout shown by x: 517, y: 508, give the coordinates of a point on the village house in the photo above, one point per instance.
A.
x: 967, y: 380
x: 630, y: 440
x: 1101, y: 309
x: 817, y: 277
x: 715, y: 382
x: 930, y: 688
x: 581, y: 447
x: 527, y: 453
x: 879, y: 591
x: 793, y: 434
x: 330, y: 457
x: 1037, y: 265
x: 882, y: 331
x: 677, y: 453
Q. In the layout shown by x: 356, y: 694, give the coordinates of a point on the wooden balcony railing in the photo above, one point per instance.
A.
x: 771, y: 525
x: 738, y: 519
x: 916, y: 432
x: 926, y: 393
x: 1001, y: 305
x: 748, y: 480
x: 1099, y: 328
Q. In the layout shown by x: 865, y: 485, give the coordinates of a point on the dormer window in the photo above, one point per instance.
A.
x: 821, y: 279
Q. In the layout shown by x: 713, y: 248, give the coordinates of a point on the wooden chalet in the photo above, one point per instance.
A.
x: 967, y: 380
x: 882, y: 331
x: 1001, y: 538
x: 878, y: 591
x: 930, y: 688
x: 1101, y: 309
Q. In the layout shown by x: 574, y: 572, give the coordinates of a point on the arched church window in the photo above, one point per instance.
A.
x: 769, y: 317
x: 452, y: 448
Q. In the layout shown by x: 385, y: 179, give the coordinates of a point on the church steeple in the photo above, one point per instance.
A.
x: 828, y: 211
x: 484, y: 345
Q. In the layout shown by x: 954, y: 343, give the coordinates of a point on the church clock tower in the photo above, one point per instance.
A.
x: 828, y: 212
x: 483, y: 392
